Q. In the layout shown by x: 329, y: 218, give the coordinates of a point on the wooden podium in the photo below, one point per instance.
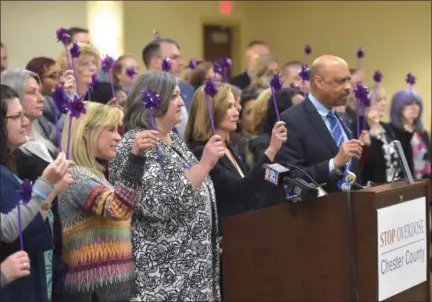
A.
x: 300, y: 252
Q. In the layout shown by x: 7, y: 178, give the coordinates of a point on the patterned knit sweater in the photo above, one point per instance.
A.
x: 95, y: 220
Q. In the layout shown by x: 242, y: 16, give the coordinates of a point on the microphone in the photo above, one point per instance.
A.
x: 350, y: 179
x: 403, y: 161
x: 296, y: 189
x: 321, y: 191
x: 274, y: 172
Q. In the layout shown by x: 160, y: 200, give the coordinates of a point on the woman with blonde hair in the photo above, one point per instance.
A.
x: 261, y: 75
x: 95, y: 216
x: 87, y: 65
x: 174, y: 228
x: 236, y: 187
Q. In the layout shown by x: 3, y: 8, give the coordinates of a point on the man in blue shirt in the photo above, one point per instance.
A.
x: 153, y: 55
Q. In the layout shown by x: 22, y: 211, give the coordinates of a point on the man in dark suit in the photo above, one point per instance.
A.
x: 318, y: 140
x: 254, y: 49
x: 153, y: 55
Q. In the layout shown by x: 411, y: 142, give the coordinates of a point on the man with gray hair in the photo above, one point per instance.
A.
x: 153, y: 54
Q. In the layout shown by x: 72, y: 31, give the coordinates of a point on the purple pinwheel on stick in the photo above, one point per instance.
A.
x: 63, y: 36
x: 151, y: 101
x: 131, y: 72
x: 217, y: 68
x: 225, y: 64
x: 166, y: 64
x: 24, y: 196
x: 107, y: 65
x: 377, y: 77
x: 210, y: 91
x: 275, y: 85
x: 362, y: 102
x: 60, y: 104
x: 75, y: 53
x: 76, y: 108
x: 360, y: 56
x: 192, y: 64
x: 410, y: 80
x: 307, y: 51
x: 305, y: 76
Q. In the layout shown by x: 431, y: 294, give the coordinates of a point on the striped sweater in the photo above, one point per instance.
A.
x: 95, y: 220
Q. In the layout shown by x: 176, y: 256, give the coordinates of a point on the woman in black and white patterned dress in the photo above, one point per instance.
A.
x: 174, y: 228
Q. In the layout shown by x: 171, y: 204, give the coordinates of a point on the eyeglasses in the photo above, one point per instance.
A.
x: 54, y: 76
x: 17, y: 116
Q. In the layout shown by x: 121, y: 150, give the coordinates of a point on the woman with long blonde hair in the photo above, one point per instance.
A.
x: 95, y: 216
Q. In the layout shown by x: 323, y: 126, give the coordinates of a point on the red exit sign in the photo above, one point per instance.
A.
x: 225, y: 7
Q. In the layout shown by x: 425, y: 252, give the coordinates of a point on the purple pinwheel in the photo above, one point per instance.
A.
x: 304, y: 73
x: 76, y: 108
x: 275, y: 82
x: 275, y: 85
x: 360, y: 53
x: 308, y: 49
x: 363, y: 101
x: 61, y: 104
x: 151, y: 101
x: 63, y: 36
x: 210, y: 91
x: 217, y: 68
x: 192, y: 64
x: 131, y: 72
x: 166, y: 64
x: 225, y: 65
x: 377, y: 77
x: 410, y: 79
x: 360, y: 56
x: 75, y: 53
x: 24, y: 196
x: 107, y: 65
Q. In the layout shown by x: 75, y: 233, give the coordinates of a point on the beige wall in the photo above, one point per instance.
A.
x: 180, y: 20
x: 396, y: 37
x: 28, y: 27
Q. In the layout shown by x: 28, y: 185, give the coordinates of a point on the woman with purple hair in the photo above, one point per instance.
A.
x: 381, y: 160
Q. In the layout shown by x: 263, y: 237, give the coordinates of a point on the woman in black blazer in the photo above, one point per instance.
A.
x: 236, y: 188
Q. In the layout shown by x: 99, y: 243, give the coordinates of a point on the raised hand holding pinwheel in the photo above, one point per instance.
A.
x: 362, y: 101
x: 166, y: 65
x: 75, y: 53
x: 76, y: 108
x: 360, y: 56
x: 107, y: 65
x: 63, y: 36
x: 152, y: 101
x: 410, y: 80
x: 210, y: 91
x: 304, y: 75
x: 61, y: 103
x: 24, y: 196
x: 275, y: 85
x: 377, y: 77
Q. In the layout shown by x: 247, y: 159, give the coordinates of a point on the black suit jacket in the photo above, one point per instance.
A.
x: 310, y: 145
x: 234, y: 194
x: 242, y: 80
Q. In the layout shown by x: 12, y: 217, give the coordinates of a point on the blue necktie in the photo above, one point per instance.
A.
x: 336, y: 129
